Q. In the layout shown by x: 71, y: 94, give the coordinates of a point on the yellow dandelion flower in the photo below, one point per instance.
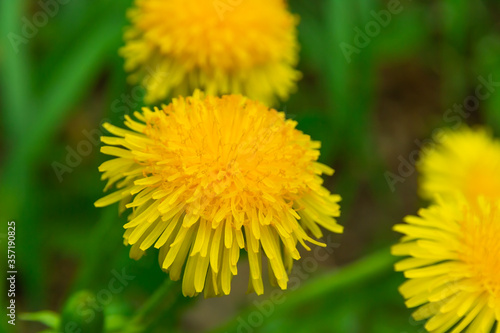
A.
x: 208, y: 176
x: 247, y: 47
x: 453, y: 265
x: 467, y: 161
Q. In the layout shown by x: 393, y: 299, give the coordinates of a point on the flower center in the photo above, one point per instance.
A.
x: 231, y: 151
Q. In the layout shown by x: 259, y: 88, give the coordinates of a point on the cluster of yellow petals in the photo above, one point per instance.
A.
x: 453, y: 265
x: 208, y: 176
x: 241, y: 47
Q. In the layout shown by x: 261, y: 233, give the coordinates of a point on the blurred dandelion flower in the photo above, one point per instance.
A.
x: 467, y: 161
x: 248, y: 48
x: 208, y: 176
x: 454, y: 265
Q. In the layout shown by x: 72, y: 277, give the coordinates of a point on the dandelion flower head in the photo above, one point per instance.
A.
x: 207, y: 176
x: 239, y: 47
x: 453, y: 265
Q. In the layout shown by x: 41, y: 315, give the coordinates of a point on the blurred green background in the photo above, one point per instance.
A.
x: 379, y: 78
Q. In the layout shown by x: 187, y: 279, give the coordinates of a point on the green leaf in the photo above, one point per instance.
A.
x: 48, y: 318
x: 16, y: 71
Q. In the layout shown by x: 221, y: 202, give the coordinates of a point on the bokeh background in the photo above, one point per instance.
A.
x: 375, y: 87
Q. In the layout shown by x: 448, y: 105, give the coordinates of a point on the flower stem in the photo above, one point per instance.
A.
x: 358, y: 272
x: 162, y: 298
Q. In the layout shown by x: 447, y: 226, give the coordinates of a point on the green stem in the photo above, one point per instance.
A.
x: 162, y: 298
x: 358, y: 272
